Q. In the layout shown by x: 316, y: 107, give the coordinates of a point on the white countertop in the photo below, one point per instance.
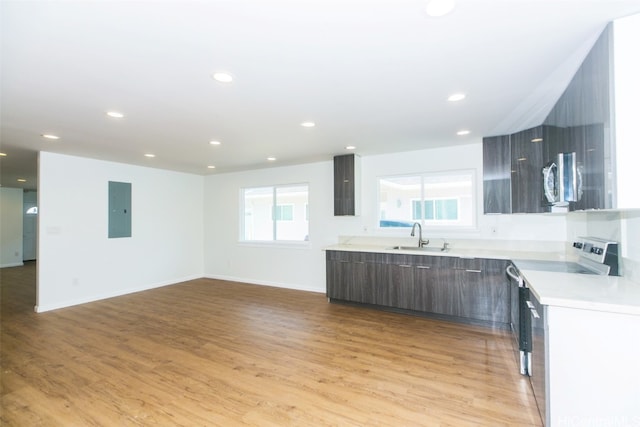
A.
x: 582, y: 291
x: 453, y: 252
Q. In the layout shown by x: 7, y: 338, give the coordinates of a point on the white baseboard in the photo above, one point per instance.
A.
x: 41, y: 308
x: 263, y: 283
x: 15, y: 264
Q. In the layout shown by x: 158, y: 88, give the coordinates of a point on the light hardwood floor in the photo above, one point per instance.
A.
x: 209, y: 352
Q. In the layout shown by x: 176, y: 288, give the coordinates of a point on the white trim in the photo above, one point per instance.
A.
x: 13, y: 264
x: 93, y: 298
x: 264, y: 283
x: 281, y: 244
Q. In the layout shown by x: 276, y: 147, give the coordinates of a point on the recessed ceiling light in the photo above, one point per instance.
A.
x: 3, y: 154
x: 50, y: 136
x: 437, y: 8
x: 215, y: 142
x: 211, y: 167
x: 463, y: 132
x: 456, y: 97
x: 149, y: 155
x: 22, y: 180
x: 307, y: 124
x: 350, y: 147
x: 223, y: 77
x: 271, y: 159
x: 115, y: 114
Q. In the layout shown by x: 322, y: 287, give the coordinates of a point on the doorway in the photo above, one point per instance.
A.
x: 30, y: 225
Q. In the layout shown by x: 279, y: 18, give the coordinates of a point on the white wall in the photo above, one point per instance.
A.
x: 619, y: 226
x: 187, y: 226
x: 626, y: 68
x: 77, y: 263
x: 293, y: 266
x: 10, y: 227
x: 303, y: 267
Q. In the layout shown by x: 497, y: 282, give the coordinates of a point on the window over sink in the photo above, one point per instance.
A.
x: 435, y: 199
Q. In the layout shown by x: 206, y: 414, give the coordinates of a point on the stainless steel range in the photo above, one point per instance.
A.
x: 595, y: 256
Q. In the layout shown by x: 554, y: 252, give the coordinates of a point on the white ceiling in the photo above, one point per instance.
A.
x: 375, y: 74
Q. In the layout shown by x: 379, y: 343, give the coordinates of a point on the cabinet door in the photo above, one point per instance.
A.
x: 526, y: 171
x: 496, y: 175
x: 338, y: 272
x: 401, y: 290
x: 588, y: 144
x: 349, y: 277
x: 484, y: 291
x: 425, y: 287
x: 344, y: 202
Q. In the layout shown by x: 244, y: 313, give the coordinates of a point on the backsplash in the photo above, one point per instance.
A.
x: 619, y: 226
x: 552, y: 249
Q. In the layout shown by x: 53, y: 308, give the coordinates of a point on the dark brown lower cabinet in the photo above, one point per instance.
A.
x: 401, y: 293
x: 475, y: 289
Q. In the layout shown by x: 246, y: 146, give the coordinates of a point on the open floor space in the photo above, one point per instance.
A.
x: 209, y: 352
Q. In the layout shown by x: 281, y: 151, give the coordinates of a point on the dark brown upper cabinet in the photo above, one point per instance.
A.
x: 527, y: 161
x: 496, y: 179
x: 346, y: 186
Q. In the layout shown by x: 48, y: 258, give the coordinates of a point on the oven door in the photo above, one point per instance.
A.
x: 520, y: 320
x: 520, y: 323
x: 538, y: 377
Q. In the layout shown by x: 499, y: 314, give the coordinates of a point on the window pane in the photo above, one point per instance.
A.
x: 396, y: 198
x: 291, y: 223
x: 276, y: 213
x: 447, y: 209
x: 429, y: 209
x: 258, y: 204
x: 436, y: 199
x: 284, y: 213
x: 416, y: 210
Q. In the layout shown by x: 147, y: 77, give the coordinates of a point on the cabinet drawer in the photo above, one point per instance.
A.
x: 346, y: 256
x: 471, y: 264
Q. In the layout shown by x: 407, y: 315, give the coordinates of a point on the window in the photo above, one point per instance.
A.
x: 443, y: 199
x: 435, y: 209
x: 275, y: 213
x: 284, y: 213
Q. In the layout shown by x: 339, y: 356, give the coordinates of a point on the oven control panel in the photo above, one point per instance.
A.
x: 597, y: 250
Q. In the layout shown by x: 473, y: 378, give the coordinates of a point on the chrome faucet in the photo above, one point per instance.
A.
x: 421, y: 242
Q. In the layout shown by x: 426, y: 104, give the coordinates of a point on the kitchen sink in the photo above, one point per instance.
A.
x: 419, y: 249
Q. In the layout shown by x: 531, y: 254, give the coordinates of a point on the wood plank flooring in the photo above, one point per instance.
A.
x: 208, y: 353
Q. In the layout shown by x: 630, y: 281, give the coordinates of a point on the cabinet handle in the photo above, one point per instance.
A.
x: 359, y: 262
x: 473, y: 271
x: 425, y: 267
x: 404, y: 265
x: 530, y: 305
x: 535, y: 314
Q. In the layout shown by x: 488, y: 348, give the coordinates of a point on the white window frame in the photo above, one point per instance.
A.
x: 273, y: 242
x: 434, y: 225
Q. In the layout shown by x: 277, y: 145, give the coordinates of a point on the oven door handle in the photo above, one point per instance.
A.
x: 511, y: 272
